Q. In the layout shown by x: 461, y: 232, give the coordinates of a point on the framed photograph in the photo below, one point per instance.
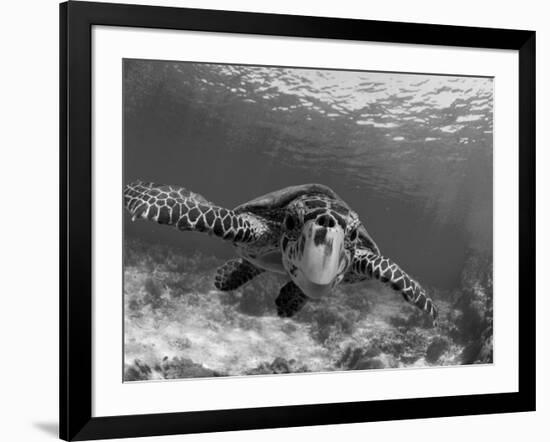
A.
x: 272, y: 221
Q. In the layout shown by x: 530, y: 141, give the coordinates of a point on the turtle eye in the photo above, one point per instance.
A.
x: 290, y: 222
x: 353, y: 235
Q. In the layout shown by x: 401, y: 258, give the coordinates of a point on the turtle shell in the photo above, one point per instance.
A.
x: 281, y: 198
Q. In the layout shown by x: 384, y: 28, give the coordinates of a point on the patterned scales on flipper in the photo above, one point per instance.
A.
x: 178, y: 207
x: 290, y: 301
x: 367, y: 264
x: 235, y: 273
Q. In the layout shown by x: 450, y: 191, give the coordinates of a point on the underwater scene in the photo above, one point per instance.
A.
x: 411, y: 154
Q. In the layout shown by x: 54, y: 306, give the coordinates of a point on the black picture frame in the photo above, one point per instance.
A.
x: 76, y: 21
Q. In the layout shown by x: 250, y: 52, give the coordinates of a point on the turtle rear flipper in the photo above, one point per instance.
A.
x: 235, y: 273
x: 290, y: 301
x: 178, y: 207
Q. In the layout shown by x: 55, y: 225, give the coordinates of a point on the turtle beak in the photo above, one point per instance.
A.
x: 323, y: 255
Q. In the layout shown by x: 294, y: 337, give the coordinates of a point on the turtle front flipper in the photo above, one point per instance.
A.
x: 290, y: 301
x: 367, y: 264
x: 178, y: 207
x: 235, y: 273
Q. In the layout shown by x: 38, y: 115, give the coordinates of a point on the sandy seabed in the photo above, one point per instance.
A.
x: 177, y: 325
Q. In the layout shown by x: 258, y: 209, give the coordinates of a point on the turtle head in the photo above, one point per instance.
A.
x: 319, y: 235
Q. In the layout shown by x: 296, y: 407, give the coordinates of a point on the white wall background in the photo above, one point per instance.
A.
x: 29, y: 218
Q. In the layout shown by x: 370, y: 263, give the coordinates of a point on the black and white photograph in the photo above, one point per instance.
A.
x: 282, y: 219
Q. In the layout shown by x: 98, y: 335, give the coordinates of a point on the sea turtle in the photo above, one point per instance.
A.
x: 306, y: 232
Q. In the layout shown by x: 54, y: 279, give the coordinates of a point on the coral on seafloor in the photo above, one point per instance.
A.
x: 175, y: 368
x: 178, y: 325
x: 278, y: 366
x: 472, y: 312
